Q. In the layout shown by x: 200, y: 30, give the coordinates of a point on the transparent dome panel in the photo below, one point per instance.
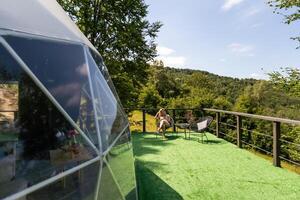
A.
x: 108, y: 189
x: 104, y: 71
x: 110, y: 117
x: 36, y: 141
x: 61, y: 67
x: 121, y: 162
x: 79, y: 185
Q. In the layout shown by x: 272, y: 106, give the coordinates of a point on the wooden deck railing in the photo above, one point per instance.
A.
x: 274, y: 120
x: 239, y: 117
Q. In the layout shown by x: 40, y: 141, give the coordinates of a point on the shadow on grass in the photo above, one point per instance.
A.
x: 210, y: 141
x: 143, y: 144
x: 151, y: 187
x: 169, y: 135
x: 215, y: 142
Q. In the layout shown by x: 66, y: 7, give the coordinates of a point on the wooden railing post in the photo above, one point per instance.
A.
x: 144, y: 120
x: 218, y: 124
x: 174, y: 118
x: 15, y: 115
x: 239, y: 131
x: 276, y: 144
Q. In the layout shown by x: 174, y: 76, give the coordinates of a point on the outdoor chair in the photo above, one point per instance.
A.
x: 166, y: 127
x: 200, y: 126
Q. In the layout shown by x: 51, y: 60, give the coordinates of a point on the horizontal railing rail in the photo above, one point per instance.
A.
x: 267, y: 118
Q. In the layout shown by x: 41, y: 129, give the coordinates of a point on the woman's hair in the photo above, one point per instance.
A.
x: 162, y: 110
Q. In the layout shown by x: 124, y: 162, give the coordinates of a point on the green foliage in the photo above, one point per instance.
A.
x: 123, y: 36
x: 149, y: 97
x: 222, y: 103
x: 290, y: 9
x: 167, y: 86
x: 184, y: 88
x: 278, y: 97
x: 123, y: 82
x: 190, y: 101
x: 288, y: 79
x: 287, y: 5
x: 266, y: 99
x: 294, y: 149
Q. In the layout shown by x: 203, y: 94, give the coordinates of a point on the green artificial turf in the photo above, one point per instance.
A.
x: 186, y: 169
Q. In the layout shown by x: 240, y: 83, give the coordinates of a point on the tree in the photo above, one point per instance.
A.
x: 264, y: 98
x: 123, y: 36
x: 291, y: 11
x: 288, y: 79
x: 167, y: 86
x: 149, y: 97
x: 222, y: 103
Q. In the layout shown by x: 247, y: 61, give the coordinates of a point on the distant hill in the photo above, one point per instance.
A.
x: 214, y: 84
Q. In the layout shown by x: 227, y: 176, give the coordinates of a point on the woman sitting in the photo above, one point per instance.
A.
x: 164, y: 121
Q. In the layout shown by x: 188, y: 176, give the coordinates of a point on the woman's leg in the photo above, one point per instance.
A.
x: 162, y: 126
x: 158, y: 126
x: 164, y: 123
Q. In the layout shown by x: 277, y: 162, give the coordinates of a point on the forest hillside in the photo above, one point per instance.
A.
x: 184, y: 88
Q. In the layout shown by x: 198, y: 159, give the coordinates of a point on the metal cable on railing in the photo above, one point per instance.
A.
x: 252, y: 145
x: 292, y: 143
x: 222, y: 133
x: 227, y: 135
x: 230, y: 125
x: 244, y: 129
x: 288, y: 160
x: 256, y: 132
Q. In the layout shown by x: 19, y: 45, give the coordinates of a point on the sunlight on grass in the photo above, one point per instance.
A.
x: 186, y: 169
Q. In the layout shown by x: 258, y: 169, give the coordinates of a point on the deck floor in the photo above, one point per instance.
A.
x: 186, y: 169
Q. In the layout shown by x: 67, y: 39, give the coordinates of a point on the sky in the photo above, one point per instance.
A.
x: 236, y: 38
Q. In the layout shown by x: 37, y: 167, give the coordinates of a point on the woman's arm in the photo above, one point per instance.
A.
x: 157, y: 115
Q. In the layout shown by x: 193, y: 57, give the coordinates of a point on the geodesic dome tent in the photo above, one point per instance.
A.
x: 63, y: 132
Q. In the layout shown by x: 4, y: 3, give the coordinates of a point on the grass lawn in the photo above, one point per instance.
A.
x: 186, y: 169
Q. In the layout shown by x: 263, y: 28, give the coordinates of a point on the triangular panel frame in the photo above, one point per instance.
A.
x: 47, y: 93
x: 108, y: 89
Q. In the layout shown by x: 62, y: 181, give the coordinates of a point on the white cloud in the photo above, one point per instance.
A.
x: 228, y: 4
x: 257, y: 76
x: 251, y: 12
x: 173, y: 61
x: 165, y: 55
x: 222, y: 60
x: 164, y: 51
x: 241, y: 48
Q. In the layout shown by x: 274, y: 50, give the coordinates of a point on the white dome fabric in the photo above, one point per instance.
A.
x: 40, y: 17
